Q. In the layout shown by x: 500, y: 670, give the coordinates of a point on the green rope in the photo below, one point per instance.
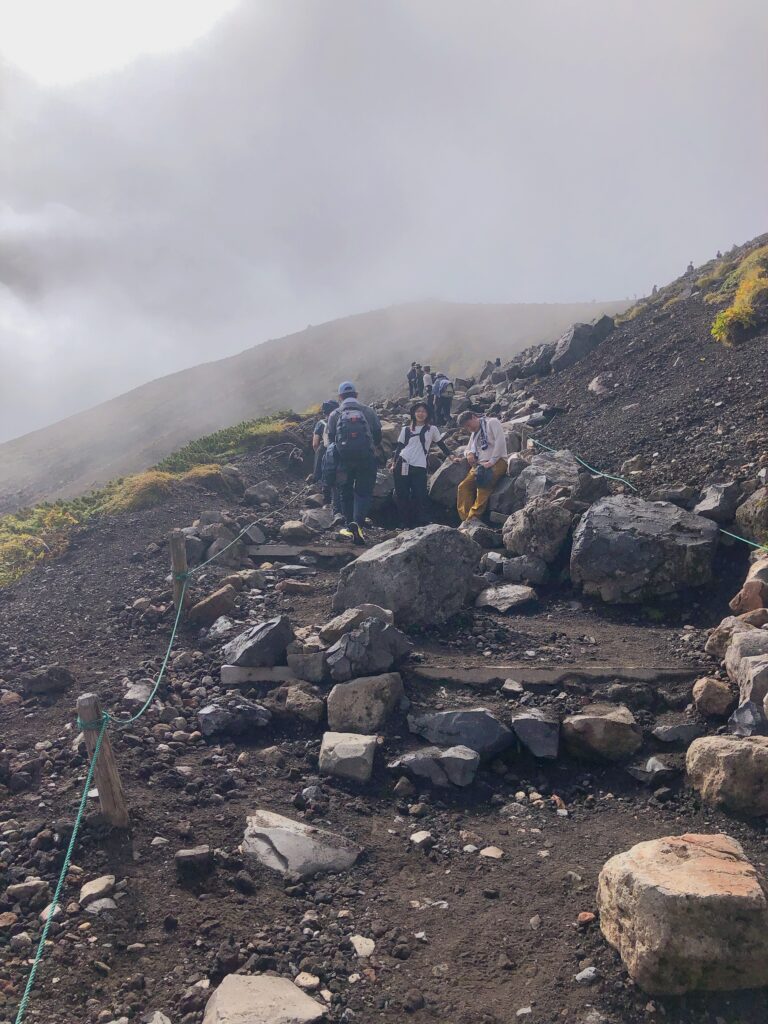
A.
x: 63, y: 874
x: 621, y: 480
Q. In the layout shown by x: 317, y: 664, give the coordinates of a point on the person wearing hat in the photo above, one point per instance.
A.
x: 409, y: 466
x: 354, y: 430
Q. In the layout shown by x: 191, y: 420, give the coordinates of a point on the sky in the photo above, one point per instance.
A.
x: 182, y: 179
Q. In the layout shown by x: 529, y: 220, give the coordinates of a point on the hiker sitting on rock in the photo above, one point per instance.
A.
x: 354, y: 430
x: 410, y: 465
x: 487, y: 456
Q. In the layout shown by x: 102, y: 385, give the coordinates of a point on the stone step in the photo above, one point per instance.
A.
x: 329, y: 557
x: 534, y: 676
x: 233, y: 676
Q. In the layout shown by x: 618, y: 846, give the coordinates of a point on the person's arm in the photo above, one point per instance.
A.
x: 375, y: 424
x: 332, y: 427
x: 317, y: 440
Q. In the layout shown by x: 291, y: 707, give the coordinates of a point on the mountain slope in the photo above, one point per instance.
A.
x: 375, y: 349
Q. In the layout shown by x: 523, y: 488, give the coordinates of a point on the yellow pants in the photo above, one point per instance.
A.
x: 471, y: 499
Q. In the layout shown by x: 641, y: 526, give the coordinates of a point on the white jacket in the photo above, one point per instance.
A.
x: 497, y: 442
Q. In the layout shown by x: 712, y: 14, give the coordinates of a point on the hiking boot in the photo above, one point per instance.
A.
x: 345, y: 533
x: 357, y: 535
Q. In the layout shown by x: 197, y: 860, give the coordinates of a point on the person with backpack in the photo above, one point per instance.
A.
x: 354, y: 431
x: 426, y: 379
x: 486, y: 454
x: 444, y: 391
x: 412, y: 381
x: 319, y: 445
x: 410, y: 465
x: 419, y: 381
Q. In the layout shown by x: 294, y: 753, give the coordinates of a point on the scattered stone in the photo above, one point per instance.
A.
x: 371, y: 649
x: 292, y: 846
x: 47, y: 680
x: 511, y: 688
x: 578, y: 341
x: 525, y: 569
x: 263, y: 644
x: 752, y: 516
x: 492, y: 853
x: 347, y: 755
x: 686, y: 913
x: 138, y: 693
x: 677, y: 732
x: 748, y: 720
x: 308, y: 659
x: 475, y: 728
x: 261, y: 999
x: 220, y: 602
x: 98, y: 889
x: 233, y: 715
x: 195, y: 863
x: 506, y: 596
x: 293, y: 531
x: 351, y: 619
x: 713, y: 698
x: 364, y: 705
x: 731, y: 772
x: 718, y: 502
x: 456, y: 765
x: 362, y: 946
x: 318, y: 519
x: 538, y: 731
x: 653, y: 770
x: 263, y: 493
x: 422, y: 840
x: 627, y: 550
x: 605, y: 731
x: 422, y: 575
x: 99, y: 906
x: 305, y: 706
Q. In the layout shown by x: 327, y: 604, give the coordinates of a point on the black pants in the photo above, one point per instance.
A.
x: 411, y: 495
x: 356, y: 482
x: 411, y: 388
x: 442, y: 410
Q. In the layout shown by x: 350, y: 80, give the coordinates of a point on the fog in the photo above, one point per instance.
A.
x: 307, y: 159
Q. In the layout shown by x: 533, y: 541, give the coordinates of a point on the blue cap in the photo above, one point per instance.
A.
x: 347, y: 388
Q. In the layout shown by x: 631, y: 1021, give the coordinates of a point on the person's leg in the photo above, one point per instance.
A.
x: 465, y: 496
x: 319, y: 456
x: 347, y: 489
x: 365, y: 481
x: 403, y: 497
x: 484, y: 493
x: 419, y: 496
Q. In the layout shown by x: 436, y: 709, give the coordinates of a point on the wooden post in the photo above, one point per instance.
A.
x: 106, y: 775
x: 178, y: 564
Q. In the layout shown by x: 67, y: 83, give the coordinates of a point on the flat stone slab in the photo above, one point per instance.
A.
x: 233, y: 676
x: 286, y: 845
x: 338, y: 555
x: 533, y: 676
x: 261, y: 999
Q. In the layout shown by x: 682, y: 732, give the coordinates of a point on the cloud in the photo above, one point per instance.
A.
x: 310, y: 159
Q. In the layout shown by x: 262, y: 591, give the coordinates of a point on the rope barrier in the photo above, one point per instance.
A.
x: 120, y: 723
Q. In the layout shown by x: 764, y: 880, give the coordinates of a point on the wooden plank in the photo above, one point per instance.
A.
x: 533, y: 676
x: 106, y: 775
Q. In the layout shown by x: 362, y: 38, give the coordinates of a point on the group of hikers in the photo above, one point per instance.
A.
x: 345, y: 441
x: 436, y: 389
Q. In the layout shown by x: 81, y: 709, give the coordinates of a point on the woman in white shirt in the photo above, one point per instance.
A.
x: 410, y: 465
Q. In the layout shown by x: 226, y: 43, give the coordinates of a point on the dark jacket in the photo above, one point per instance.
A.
x: 370, y: 415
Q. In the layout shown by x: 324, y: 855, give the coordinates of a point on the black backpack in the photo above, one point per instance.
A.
x: 353, y: 434
x: 420, y: 434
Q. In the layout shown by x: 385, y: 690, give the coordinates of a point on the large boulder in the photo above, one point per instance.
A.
x: 627, y: 550
x: 746, y: 662
x: 422, y: 575
x: 540, y: 529
x: 578, y: 341
x: 476, y: 728
x: 455, y: 766
x: 364, y: 705
x: 712, y: 697
x: 731, y: 772
x: 718, y: 502
x: 264, y: 644
x: 603, y: 732
x: 686, y: 913
x: 292, y: 846
x: 752, y: 516
x: 374, y: 647
x: 544, y: 472
x: 444, y: 482
x: 261, y: 999
x: 234, y: 716
x: 347, y: 755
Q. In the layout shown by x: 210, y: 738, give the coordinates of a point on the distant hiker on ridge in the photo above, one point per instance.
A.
x: 426, y: 379
x: 412, y: 377
x: 320, y: 444
x: 354, y: 430
x: 487, y: 457
x: 410, y: 465
x: 443, y: 390
x: 419, y: 381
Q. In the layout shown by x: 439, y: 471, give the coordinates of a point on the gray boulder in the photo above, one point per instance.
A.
x: 263, y: 644
x: 538, y: 731
x: 308, y: 659
x: 351, y: 619
x: 627, y: 550
x: 234, y: 716
x: 347, y: 755
x: 422, y: 575
x: 546, y: 471
x: 578, y: 341
x: 262, y: 493
x: 539, y: 529
x: 505, y: 500
x: 372, y: 648
x: 506, y: 596
x: 318, y: 519
x: 444, y: 482
x: 524, y: 569
x: 46, y: 680
x: 476, y: 728
x: 602, y: 731
x: 718, y: 502
x: 292, y: 846
x: 364, y: 705
x: 455, y: 766
x: 261, y: 999
x: 752, y: 516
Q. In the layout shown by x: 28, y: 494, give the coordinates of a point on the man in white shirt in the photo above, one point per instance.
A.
x: 487, y: 457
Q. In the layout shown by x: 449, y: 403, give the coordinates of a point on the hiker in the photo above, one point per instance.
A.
x: 429, y: 400
x: 426, y: 379
x: 443, y: 390
x: 412, y: 381
x: 487, y: 457
x: 319, y: 445
x: 410, y: 465
x: 419, y: 381
x: 354, y: 431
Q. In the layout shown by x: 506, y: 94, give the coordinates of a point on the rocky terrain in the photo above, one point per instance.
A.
x: 514, y: 772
